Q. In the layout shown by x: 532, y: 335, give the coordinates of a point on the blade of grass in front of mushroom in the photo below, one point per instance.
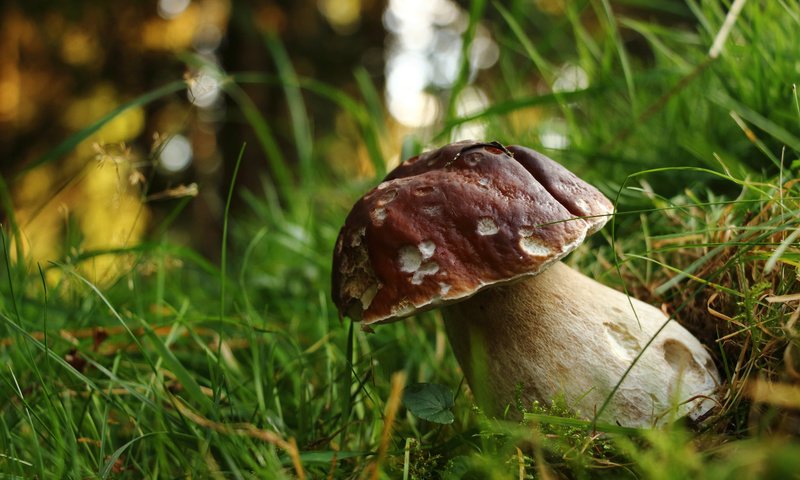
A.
x: 617, y: 263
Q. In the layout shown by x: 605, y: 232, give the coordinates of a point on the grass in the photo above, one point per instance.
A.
x: 183, y: 368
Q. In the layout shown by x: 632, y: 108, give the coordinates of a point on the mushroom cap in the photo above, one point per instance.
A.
x: 448, y: 223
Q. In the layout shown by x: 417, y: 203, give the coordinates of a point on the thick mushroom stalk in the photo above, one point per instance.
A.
x: 561, y: 333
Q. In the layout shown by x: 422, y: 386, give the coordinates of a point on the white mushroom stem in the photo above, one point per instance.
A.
x: 561, y: 333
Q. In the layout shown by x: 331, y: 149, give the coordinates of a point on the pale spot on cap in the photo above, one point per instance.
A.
x: 486, y: 226
x: 472, y: 159
x: 378, y: 216
x: 387, y: 197
x: 355, y: 240
x: 410, y: 259
x: 424, y: 190
x: 534, y: 247
x: 426, y: 269
x: 427, y: 248
x: 403, y: 308
x: 368, y: 296
x: 431, y: 210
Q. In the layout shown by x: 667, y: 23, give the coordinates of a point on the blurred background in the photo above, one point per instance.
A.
x: 66, y: 65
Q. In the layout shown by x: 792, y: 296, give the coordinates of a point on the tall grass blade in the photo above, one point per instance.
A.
x: 544, y: 67
x: 301, y: 127
x: 611, y: 22
x: 370, y: 134
x: 476, y: 10
x: 372, y: 98
x: 73, y: 141
x: 760, y: 121
x: 11, y: 217
x: 105, y: 472
x: 279, y: 167
x: 347, y: 384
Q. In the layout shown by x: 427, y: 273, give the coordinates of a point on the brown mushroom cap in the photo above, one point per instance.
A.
x: 449, y: 222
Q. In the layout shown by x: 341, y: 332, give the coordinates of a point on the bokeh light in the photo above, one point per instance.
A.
x: 570, y: 77
x: 176, y: 154
x: 169, y: 9
x: 204, y: 89
x: 423, y: 56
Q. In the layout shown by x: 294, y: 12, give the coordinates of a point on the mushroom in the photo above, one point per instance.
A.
x: 479, y: 229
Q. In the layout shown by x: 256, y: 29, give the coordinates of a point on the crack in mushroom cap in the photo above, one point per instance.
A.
x: 435, y: 220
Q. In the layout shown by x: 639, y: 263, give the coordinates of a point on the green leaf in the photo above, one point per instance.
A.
x: 429, y: 401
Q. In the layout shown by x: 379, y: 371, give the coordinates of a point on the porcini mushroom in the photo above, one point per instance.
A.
x: 479, y: 229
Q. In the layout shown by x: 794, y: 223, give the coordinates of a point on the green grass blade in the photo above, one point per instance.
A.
x: 349, y: 104
x: 191, y: 385
x: 185, y: 378
x: 504, y: 107
x: 611, y: 22
x: 374, y: 104
x: 279, y: 167
x: 73, y: 141
x: 546, y: 70
x: 347, y: 384
x: 224, y: 246
x: 10, y: 215
x: 10, y: 276
x: 760, y: 121
x: 15, y: 327
x: 112, y: 459
x: 584, y: 424
x: 476, y: 10
x: 301, y: 127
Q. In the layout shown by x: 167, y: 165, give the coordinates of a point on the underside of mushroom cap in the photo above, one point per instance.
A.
x: 449, y: 222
